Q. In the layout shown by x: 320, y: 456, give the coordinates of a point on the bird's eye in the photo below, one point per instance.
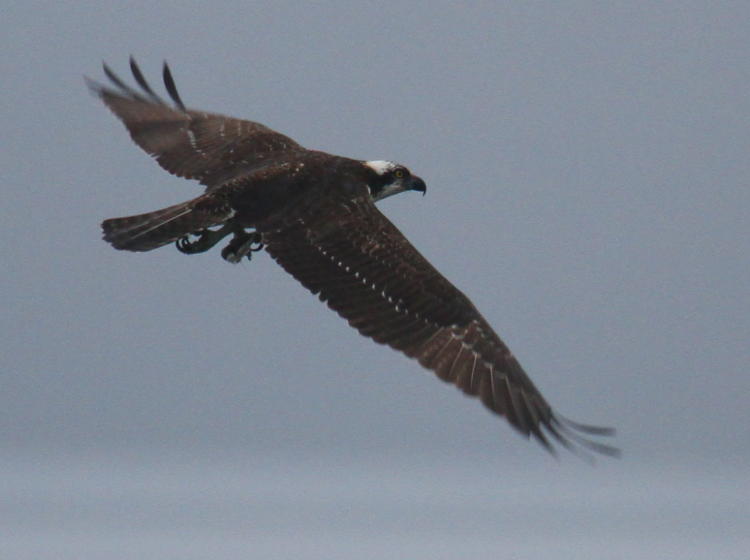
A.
x: 399, y: 173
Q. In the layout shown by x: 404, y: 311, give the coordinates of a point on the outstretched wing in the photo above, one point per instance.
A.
x: 362, y: 266
x: 192, y: 144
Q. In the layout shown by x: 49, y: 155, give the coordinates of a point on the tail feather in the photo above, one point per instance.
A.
x: 144, y: 232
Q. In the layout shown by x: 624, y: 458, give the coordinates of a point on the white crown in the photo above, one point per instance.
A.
x: 381, y: 167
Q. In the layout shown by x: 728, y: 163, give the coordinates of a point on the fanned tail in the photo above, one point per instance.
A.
x: 144, y: 232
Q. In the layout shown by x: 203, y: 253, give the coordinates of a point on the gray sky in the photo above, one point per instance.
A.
x: 587, y: 169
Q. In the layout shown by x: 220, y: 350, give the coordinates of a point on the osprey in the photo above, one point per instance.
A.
x: 315, y: 214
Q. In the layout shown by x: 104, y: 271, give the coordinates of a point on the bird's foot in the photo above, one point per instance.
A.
x: 206, y: 239
x: 243, y: 244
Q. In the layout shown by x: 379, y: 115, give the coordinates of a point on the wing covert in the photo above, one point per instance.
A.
x: 362, y: 266
x: 208, y: 147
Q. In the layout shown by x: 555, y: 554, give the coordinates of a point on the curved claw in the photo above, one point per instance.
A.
x: 183, y: 244
x: 254, y: 247
x: 229, y: 254
x: 243, y: 244
x: 206, y: 239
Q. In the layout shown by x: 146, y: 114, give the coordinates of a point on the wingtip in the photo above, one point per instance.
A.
x: 569, y: 433
x: 134, y: 69
x: 604, y: 431
x: 93, y: 86
x: 171, y: 87
x: 140, y: 79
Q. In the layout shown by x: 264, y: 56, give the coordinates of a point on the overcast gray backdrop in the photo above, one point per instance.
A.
x: 588, y: 187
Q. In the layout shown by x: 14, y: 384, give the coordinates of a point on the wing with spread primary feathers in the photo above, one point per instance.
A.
x: 193, y: 144
x: 362, y: 266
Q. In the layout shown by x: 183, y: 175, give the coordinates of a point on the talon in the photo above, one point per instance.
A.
x: 206, y: 239
x: 242, y: 245
x: 230, y: 254
x: 183, y: 244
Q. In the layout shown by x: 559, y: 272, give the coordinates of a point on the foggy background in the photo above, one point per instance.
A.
x: 588, y: 188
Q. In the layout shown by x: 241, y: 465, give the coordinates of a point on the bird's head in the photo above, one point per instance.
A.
x: 386, y: 178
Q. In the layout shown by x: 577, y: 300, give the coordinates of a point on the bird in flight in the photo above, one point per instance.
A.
x: 315, y: 214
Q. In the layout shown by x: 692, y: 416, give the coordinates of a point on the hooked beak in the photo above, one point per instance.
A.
x: 417, y: 184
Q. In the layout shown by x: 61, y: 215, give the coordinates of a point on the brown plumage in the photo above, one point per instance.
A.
x: 315, y: 214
